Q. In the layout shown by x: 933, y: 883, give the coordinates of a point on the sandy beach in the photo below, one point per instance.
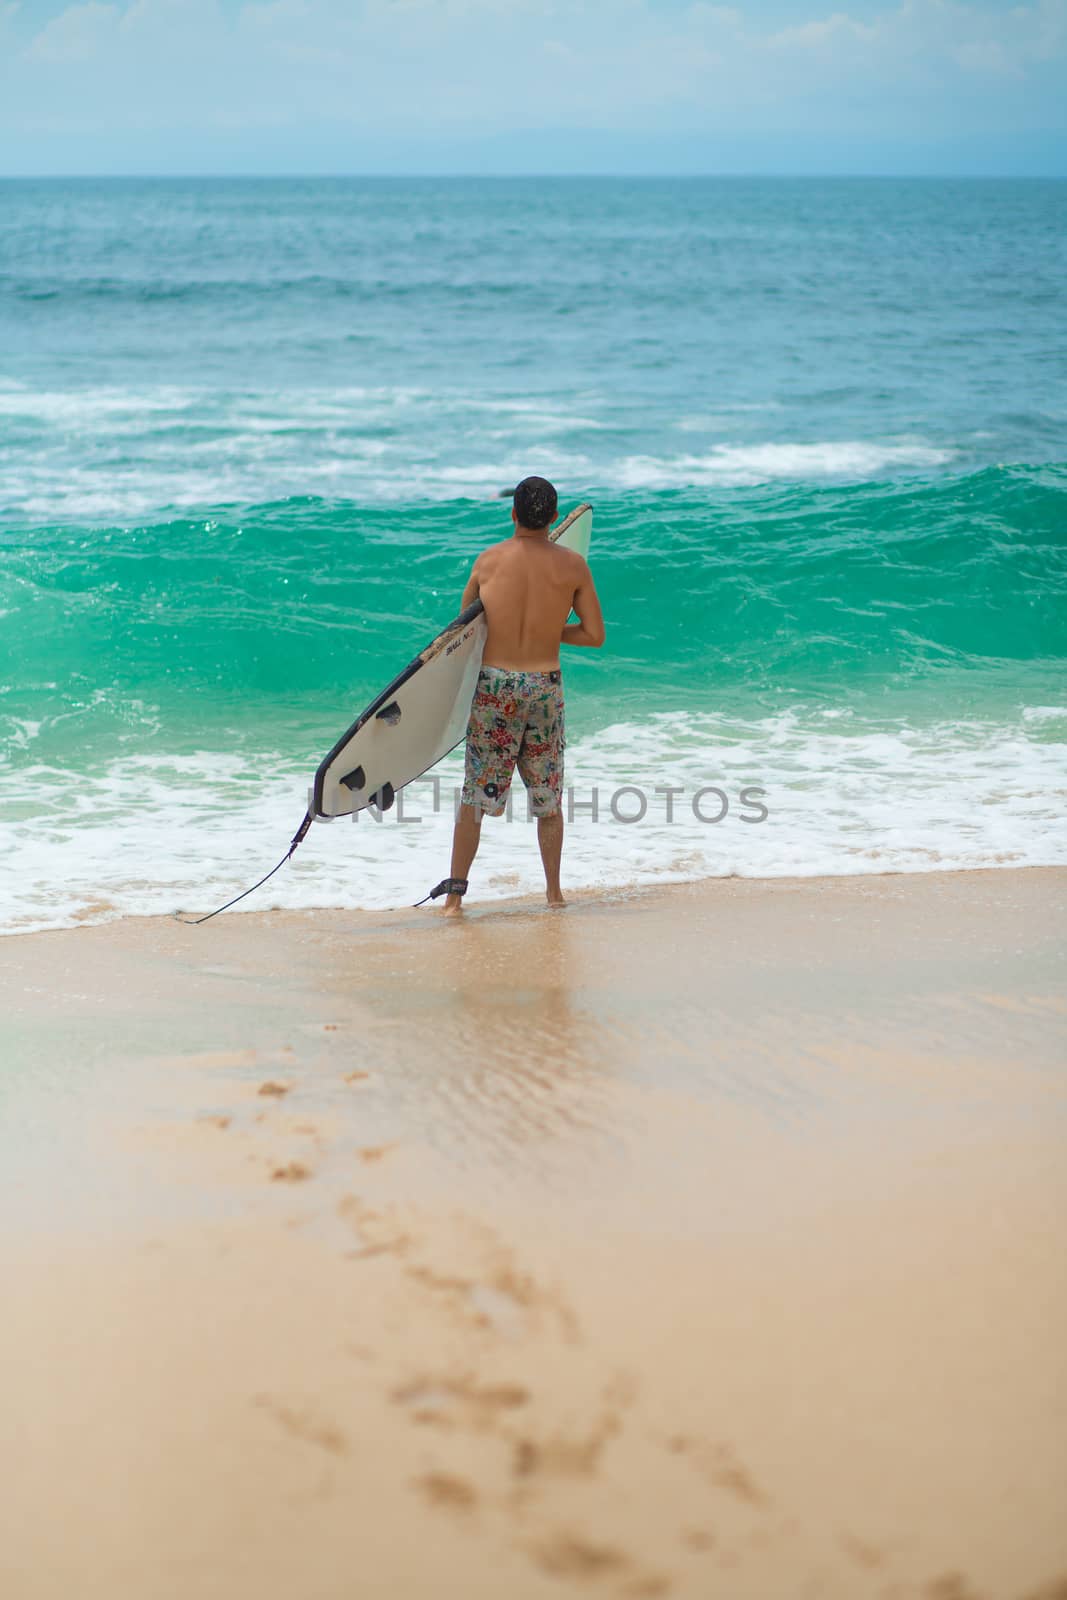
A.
x: 701, y: 1242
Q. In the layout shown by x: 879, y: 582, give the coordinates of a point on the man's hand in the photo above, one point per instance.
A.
x: 578, y: 633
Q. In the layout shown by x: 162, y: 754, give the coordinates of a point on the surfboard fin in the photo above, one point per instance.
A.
x: 355, y: 779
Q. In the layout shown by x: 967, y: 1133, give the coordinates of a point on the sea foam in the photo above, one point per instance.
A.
x: 841, y: 797
x: 113, y: 452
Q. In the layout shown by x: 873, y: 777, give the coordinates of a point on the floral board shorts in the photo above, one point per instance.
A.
x: 516, y: 721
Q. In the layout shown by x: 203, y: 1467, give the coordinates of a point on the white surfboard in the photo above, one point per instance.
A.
x: 422, y: 714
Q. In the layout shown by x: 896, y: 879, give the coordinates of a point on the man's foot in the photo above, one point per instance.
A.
x: 555, y: 899
x: 454, y: 906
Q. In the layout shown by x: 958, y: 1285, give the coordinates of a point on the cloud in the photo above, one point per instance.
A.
x: 823, y: 33
x: 392, y: 67
x: 77, y: 35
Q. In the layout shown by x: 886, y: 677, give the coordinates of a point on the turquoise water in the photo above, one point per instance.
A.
x: 253, y: 433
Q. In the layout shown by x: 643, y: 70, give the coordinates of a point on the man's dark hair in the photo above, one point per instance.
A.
x: 536, y: 503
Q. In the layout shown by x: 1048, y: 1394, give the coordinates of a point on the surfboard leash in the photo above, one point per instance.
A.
x: 446, y: 886
x: 298, y: 836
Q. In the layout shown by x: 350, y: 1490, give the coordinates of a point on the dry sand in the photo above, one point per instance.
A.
x: 701, y: 1243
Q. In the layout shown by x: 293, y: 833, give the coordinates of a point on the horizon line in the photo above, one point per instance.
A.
x: 504, y: 177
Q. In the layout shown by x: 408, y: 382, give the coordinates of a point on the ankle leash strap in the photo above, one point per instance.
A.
x: 446, y: 886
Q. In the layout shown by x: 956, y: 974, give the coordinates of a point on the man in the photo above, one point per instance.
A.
x: 528, y: 586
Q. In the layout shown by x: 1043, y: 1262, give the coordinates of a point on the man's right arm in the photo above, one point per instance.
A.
x: 589, y: 629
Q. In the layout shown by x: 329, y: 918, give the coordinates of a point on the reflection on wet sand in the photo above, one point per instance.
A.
x: 491, y: 1049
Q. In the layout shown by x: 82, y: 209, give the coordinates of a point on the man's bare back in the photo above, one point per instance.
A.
x: 528, y: 587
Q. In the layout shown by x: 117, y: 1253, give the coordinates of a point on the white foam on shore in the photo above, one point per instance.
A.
x: 150, y: 835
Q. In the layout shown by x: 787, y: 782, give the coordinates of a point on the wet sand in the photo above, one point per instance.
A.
x: 708, y: 1242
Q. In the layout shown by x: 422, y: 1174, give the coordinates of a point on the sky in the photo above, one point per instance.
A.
x: 533, y: 86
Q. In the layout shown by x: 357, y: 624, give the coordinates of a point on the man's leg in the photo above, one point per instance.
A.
x: 465, y: 838
x: 540, y: 766
x: 550, y: 844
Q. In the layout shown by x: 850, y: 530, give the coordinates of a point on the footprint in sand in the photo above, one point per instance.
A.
x: 950, y: 1586
x: 292, y: 1172
x: 377, y: 1232
x: 718, y: 1464
x: 570, y: 1555
x: 274, y: 1090
x: 1056, y: 1590
x: 498, y: 1310
x: 451, y: 1401
x: 374, y: 1152
x: 301, y: 1424
x: 577, y: 1455
x: 559, y: 1456
x: 445, y: 1489
x: 858, y: 1550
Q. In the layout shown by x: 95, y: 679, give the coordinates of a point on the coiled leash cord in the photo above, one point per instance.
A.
x: 194, y: 922
x: 446, y: 886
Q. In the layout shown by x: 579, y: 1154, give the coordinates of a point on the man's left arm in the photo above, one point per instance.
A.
x: 473, y: 589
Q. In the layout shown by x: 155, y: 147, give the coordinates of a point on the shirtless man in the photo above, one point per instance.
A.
x: 528, y: 587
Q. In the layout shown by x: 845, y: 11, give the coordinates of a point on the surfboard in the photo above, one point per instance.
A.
x: 422, y: 714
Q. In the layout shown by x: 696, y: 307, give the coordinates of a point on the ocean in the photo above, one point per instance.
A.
x: 252, y: 434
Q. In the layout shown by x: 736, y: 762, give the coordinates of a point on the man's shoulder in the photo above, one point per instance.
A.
x: 570, y: 558
x: 504, y: 549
